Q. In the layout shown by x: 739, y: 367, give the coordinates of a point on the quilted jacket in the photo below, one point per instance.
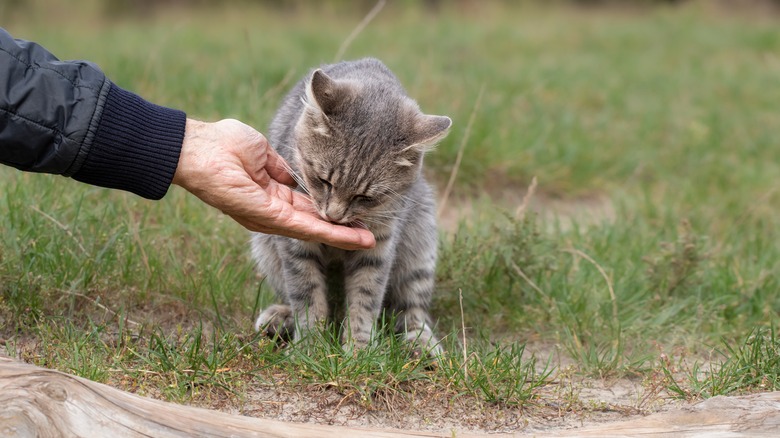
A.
x: 67, y: 118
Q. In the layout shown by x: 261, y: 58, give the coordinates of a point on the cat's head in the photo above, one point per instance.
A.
x: 360, y: 146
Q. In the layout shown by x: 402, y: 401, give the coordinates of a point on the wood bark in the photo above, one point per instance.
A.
x: 756, y: 415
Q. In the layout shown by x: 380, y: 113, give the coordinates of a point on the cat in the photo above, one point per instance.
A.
x: 355, y: 142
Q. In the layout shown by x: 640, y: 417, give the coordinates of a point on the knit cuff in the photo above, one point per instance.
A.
x: 136, y: 146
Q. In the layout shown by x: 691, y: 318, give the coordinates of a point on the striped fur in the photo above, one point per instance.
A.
x: 355, y: 142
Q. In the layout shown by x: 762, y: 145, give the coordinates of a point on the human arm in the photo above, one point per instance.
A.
x: 67, y: 118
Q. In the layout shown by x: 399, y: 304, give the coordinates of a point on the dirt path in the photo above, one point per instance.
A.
x: 749, y: 416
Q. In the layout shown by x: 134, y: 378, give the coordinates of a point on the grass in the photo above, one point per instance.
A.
x: 670, y: 113
x: 752, y: 365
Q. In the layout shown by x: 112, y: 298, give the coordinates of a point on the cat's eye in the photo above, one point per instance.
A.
x: 363, y: 199
x: 326, y: 183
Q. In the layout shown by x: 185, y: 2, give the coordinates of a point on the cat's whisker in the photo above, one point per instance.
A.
x: 392, y: 216
x: 406, y: 200
x: 391, y: 191
x: 360, y: 223
x: 285, y: 166
x: 379, y: 221
x: 297, y: 178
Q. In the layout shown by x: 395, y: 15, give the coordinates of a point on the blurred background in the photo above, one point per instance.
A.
x: 651, y: 128
x: 589, y: 96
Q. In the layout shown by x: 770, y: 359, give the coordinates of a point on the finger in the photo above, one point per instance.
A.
x: 351, y: 238
x: 302, y: 202
x: 277, y: 167
x: 330, y: 234
x: 292, y: 214
x: 299, y: 201
x: 333, y: 235
x: 307, y: 225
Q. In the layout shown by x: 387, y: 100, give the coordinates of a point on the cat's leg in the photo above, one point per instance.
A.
x: 276, y: 320
x: 294, y: 269
x: 411, y: 284
x: 365, y: 280
x: 305, y: 285
x: 410, y: 293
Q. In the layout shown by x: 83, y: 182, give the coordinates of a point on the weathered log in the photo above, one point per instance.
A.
x: 38, y: 402
x: 756, y: 415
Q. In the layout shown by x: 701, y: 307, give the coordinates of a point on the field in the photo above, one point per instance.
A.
x: 645, y: 255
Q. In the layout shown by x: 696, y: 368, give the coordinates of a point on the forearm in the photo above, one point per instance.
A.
x: 136, y: 146
x: 67, y: 118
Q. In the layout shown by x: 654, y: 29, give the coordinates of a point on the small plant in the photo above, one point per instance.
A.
x: 495, y: 374
x: 191, y: 361
x: 80, y: 351
x: 524, y: 245
x: 386, y: 366
x: 598, y: 358
x: 21, y: 301
x: 677, y: 265
x: 500, y: 264
x: 752, y: 366
x: 488, y: 373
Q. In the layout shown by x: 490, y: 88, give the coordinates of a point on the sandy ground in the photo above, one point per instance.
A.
x: 570, y: 402
x: 598, y: 402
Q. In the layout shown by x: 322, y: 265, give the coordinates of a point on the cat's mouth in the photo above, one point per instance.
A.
x: 352, y: 223
x: 355, y: 223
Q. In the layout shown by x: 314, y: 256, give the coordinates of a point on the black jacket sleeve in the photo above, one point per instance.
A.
x: 67, y: 118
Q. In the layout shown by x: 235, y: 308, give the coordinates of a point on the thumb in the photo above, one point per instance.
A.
x: 260, y: 161
x: 277, y: 167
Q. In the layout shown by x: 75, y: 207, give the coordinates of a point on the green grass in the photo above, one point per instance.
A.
x: 753, y: 365
x: 670, y: 113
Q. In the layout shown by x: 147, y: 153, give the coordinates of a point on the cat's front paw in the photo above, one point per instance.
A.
x: 307, y: 329
x: 351, y: 342
x: 424, y: 343
x: 276, y: 322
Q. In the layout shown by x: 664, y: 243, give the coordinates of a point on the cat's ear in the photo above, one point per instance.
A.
x: 429, y: 130
x: 324, y: 93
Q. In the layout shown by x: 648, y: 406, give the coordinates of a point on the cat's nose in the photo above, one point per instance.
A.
x: 330, y: 218
x: 335, y: 213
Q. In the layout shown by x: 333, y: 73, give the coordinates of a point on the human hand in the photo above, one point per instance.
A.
x: 230, y: 166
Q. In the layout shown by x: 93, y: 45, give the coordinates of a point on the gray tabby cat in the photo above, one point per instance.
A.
x: 355, y: 142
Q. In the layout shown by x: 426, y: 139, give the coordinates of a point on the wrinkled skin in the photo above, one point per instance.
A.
x: 231, y: 167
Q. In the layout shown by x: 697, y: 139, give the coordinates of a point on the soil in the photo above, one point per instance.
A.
x: 613, y: 401
x: 577, y: 403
